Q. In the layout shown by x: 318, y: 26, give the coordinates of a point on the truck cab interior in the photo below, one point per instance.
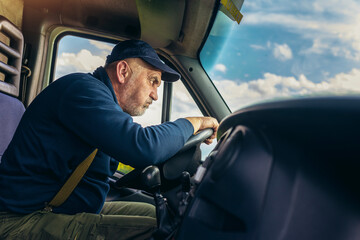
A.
x: 281, y: 169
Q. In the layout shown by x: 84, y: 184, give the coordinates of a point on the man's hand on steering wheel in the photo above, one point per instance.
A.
x: 200, y: 123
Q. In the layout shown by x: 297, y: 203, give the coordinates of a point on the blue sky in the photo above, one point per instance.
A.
x: 285, y: 48
x: 77, y: 54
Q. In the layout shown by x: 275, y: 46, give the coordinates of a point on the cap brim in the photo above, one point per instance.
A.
x: 168, y: 75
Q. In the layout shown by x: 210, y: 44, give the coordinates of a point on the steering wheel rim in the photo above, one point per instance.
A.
x: 196, y: 138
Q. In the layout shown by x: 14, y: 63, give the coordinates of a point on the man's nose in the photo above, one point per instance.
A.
x: 154, y: 95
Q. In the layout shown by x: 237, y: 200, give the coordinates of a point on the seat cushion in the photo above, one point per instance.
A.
x: 11, y: 110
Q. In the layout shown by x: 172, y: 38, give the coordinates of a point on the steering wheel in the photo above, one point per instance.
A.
x: 196, y: 139
x: 170, y: 166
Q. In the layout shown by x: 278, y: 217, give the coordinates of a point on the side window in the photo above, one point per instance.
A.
x: 79, y: 54
x: 183, y: 105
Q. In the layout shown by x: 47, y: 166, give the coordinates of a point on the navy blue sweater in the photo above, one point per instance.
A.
x: 61, y: 127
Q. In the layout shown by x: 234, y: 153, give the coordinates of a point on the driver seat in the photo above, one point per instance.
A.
x: 11, y: 109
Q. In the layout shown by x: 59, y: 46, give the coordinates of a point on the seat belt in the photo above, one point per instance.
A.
x: 71, y: 183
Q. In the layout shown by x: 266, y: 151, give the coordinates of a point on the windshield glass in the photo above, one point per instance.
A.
x: 285, y: 49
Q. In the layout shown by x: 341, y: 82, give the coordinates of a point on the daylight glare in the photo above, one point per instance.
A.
x: 283, y: 49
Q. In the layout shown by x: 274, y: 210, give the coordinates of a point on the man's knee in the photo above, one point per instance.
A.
x: 129, y: 209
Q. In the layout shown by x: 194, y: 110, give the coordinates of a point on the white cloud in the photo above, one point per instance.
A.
x: 83, y: 61
x: 315, y: 23
x: 220, y: 67
x: 271, y: 86
x: 347, y: 7
x: 317, y: 47
x: 347, y: 82
x: 102, y: 45
x: 282, y: 52
x: 183, y: 105
x: 257, y: 47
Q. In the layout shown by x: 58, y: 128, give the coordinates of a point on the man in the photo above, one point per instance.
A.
x: 65, y: 123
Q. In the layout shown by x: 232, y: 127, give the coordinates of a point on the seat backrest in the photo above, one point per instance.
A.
x: 11, y: 110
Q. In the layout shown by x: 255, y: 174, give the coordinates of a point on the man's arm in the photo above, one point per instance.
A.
x: 200, y: 123
x: 88, y: 109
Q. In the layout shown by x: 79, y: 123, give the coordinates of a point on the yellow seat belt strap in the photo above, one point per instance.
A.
x: 72, y: 182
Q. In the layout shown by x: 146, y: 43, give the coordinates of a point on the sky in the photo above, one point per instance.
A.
x: 285, y: 48
x: 77, y: 54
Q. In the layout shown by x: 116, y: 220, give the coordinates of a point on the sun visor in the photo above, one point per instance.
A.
x: 232, y: 9
x: 160, y: 21
x: 13, y: 10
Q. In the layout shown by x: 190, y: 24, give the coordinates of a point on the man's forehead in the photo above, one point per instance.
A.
x: 155, y: 75
x: 146, y: 67
x: 151, y: 71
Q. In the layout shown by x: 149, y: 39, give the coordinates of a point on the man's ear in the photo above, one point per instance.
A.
x: 122, y: 71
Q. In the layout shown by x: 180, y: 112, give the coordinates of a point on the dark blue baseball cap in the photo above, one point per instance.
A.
x: 141, y: 49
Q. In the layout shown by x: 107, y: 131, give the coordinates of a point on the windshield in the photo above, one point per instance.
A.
x: 284, y: 49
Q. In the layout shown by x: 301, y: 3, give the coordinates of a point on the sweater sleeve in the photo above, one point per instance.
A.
x: 88, y: 109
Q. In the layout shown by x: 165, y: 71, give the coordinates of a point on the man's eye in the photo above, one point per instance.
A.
x: 152, y: 81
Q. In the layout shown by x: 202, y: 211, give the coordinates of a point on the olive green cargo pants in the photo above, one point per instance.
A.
x: 117, y: 220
